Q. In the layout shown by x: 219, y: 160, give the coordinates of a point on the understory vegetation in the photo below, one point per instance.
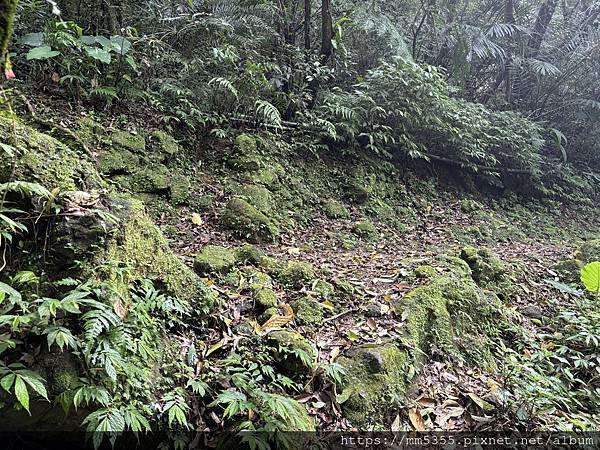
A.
x: 226, y: 222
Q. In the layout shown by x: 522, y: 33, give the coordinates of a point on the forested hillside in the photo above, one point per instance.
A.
x: 260, y: 224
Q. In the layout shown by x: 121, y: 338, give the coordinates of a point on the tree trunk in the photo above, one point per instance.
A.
x: 7, y: 18
x: 326, y: 31
x: 307, y: 14
x: 509, y: 17
x: 540, y: 27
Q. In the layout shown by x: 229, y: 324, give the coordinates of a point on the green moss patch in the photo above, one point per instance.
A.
x: 248, y: 222
x: 214, y: 260
x: 375, y: 384
x: 297, y: 273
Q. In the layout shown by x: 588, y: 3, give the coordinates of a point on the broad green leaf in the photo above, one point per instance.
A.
x: 7, y: 382
x: 99, y: 54
x: 32, y: 39
x: 21, y: 393
x: 120, y: 44
x: 43, y: 52
x: 590, y: 276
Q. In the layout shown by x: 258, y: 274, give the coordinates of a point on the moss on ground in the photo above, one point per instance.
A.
x: 43, y: 159
x: 248, y: 222
x: 297, y: 273
x: 375, y: 384
x: 335, y: 210
x: 213, y: 259
x: 365, y: 229
x: 308, y: 311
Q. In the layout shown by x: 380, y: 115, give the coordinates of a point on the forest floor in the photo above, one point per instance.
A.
x: 448, y: 396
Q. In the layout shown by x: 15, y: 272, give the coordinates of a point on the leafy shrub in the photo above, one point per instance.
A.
x: 88, y: 66
x: 408, y: 108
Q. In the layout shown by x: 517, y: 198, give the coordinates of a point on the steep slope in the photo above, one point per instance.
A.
x: 327, y: 294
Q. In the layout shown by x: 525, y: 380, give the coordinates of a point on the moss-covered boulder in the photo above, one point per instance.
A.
x: 43, y: 159
x: 249, y: 254
x: 133, y: 142
x: 214, y: 259
x: 335, y: 210
x: 261, y: 287
x: 118, y: 161
x: 487, y: 268
x: 248, y: 222
x: 308, y: 311
x: 259, y: 197
x: 297, y: 273
x: 323, y: 289
x: 244, y: 155
x: 375, y: 383
x: 139, y: 245
x: 426, y: 272
x: 162, y: 146
x: 152, y: 180
x: 451, y: 313
x: 364, y: 229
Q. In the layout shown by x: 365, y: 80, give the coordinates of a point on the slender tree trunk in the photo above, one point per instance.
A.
x: 540, y: 27
x: 509, y: 17
x: 307, y: 16
x: 7, y: 19
x: 326, y: 31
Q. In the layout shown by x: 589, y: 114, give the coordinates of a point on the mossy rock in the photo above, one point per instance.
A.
x: 249, y: 254
x: 117, y: 161
x: 259, y: 197
x: 180, y: 188
x: 140, y: 246
x: 213, y: 259
x: 269, y: 176
x: 43, y: 159
x: 163, y: 146
x: 245, y: 156
x: 297, y: 274
x: 375, y: 384
x: 345, y: 287
x: 292, y: 351
x: 335, y: 210
x: 61, y: 370
x: 308, y: 311
x: 248, y: 222
x: 487, y: 268
x: 205, y: 202
x: 324, y: 289
x: 129, y: 141
x: 469, y: 206
x: 589, y: 252
x: 569, y: 270
x: 426, y: 272
x: 265, y: 297
x: 152, y: 180
x: 364, y: 229
x: 450, y: 313
x: 380, y: 210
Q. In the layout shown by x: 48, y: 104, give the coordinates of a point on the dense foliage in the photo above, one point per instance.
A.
x: 500, y: 94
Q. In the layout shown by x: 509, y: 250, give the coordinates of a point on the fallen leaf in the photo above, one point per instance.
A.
x: 371, y: 323
x: 196, y: 219
x: 416, y: 419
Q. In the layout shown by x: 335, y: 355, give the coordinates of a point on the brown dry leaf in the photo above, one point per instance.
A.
x: 416, y: 419
x: 334, y: 354
x: 371, y: 323
x: 120, y: 309
x: 278, y: 321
